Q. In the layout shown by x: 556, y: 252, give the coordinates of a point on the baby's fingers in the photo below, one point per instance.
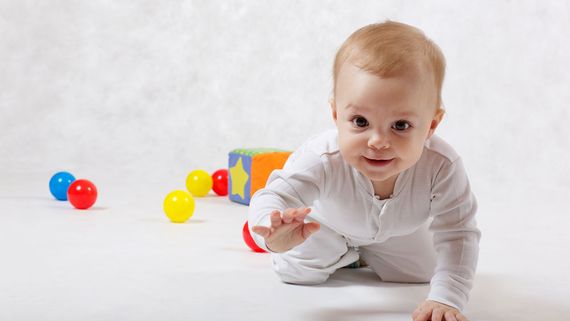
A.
x: 310, y: 228
x: 261, y: 230
x: 275, y: 218
x: 295, y: 215
x: 450, y: 316
x: 289, y: 215
x: 302, y: 214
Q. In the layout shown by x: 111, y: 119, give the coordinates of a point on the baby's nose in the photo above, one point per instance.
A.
x: 378, y: 141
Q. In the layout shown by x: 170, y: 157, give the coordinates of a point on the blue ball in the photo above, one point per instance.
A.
x: 59, y: 183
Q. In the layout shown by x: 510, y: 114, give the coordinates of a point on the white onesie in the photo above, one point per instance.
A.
x: 425, y: 232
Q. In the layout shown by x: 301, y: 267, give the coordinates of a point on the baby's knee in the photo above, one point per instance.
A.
x: 303, y: 279
x: 296, y: 272
x: 296, y: 268
x: 301, y: 275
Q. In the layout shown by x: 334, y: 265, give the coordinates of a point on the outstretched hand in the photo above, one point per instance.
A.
x: 287, y: 230
x: 435, y: 311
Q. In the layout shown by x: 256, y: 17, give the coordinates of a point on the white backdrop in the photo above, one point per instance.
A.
x: 134, y: 94
x: 157, y: 88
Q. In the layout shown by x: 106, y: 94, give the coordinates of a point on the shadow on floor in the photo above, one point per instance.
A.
x: 363, y: 276
x: 360, y: 314
x: 494, y: 297
x: 396, y: 301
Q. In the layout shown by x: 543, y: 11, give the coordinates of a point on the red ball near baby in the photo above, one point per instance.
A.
x: 249, y: 240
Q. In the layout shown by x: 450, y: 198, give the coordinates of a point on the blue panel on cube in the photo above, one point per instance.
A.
x: 246, y: 163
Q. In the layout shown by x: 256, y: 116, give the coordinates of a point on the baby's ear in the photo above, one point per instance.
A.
x: 437, y: 118
x: 333, y: 108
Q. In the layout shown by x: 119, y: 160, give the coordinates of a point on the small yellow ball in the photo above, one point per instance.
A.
x: 199, y: 183
x: 178, y: 206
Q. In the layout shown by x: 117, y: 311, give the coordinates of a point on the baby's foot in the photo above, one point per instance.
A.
x: 356, y: 264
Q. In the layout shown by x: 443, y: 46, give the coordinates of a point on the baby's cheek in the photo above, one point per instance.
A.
x: 414, y: 155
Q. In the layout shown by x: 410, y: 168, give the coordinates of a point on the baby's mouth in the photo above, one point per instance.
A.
x: 378, y: 162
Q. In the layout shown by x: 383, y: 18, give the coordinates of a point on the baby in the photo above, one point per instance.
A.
x: 381, y: 187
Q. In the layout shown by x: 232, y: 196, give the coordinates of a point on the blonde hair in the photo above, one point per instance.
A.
x: 391, y: 48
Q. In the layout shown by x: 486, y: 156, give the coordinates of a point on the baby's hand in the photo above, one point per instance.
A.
x: 435, y: 311
x: 287, y: 230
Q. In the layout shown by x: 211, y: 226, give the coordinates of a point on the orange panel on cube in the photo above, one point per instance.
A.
x: 264, y: 164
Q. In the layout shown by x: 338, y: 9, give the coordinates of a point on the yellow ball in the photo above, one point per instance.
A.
x: 199, y: 183
x: 178, y: 206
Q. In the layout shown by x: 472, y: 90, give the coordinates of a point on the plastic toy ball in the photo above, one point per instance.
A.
x: 220, y: 178
x: 178, y: 206
x: 82, y: 194
x: 249, y: 240
x: 59, y: 183
x: 199, y: 183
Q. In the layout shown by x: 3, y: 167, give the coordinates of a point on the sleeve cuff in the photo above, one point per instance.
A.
x: 441, y: 293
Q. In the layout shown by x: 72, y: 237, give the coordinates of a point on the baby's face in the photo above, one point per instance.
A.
x: 383, y: 122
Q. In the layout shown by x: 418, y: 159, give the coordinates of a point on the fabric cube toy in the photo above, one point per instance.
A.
x: 249, y: 170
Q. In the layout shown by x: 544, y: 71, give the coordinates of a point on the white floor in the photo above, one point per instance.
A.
x: 123, y: 260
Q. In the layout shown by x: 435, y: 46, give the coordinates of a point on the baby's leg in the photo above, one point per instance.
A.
x: 410, y: 258
x: 313, y: 261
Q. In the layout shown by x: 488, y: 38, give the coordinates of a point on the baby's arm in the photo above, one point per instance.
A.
x: 277, y: 212
x: 456, y: 236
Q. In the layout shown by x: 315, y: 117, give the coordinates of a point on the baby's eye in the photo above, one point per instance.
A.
x: 401, y: 125
x: 360, y: 122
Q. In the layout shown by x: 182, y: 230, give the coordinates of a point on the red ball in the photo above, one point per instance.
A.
x: 82, y: 194
x: 220, y: 178
x: 249, y: 240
